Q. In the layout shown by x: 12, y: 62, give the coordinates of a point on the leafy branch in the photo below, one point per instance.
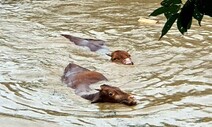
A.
x: 175, y: 10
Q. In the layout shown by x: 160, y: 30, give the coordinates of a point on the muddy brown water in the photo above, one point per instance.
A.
x: 171, y: 78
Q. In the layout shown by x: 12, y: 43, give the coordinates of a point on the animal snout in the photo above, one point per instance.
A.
x: 131, y: 97
x: 128, y: 61
x: 132, y: 100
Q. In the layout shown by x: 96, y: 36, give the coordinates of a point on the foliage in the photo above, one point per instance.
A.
x: 175, y: 10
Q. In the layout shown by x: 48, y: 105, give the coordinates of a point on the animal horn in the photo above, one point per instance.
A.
x: 96, y: 98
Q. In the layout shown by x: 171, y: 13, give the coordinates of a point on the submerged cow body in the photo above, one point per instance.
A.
x: 118, y: 56
x: 80, y: 78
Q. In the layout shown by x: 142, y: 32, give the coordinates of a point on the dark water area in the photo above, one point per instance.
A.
x: 171, y: 78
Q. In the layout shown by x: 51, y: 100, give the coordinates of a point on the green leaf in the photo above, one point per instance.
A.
x: 180, y: 26
x: 197, y: 15
x: 204, y: 7
x: 169, y: 24
x: 166, y: 10
x: 185, y: 17
x: 158, y: 11
x: 172, y: 10
x: 189, y: 25
x: 167, y: 3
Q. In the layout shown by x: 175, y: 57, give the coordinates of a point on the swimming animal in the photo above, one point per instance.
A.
x: 79, y: 79
x: 95, y: 45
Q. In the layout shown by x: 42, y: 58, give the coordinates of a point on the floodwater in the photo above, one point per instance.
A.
x: 171, y: 78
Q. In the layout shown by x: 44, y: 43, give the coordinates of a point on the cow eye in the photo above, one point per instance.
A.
x: 110, y: 94
x: 114, y: 58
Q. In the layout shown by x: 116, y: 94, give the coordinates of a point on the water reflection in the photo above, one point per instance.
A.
x: 171, y: 78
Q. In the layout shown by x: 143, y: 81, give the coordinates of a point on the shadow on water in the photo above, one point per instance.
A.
x: 171, y: 78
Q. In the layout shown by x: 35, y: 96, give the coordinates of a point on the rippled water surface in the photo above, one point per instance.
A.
x: 171, y: 78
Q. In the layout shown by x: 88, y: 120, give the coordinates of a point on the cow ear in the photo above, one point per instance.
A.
x: 97, y: 89
x: 108, y: 54
x: 104, y: 86
x: 96, y: 98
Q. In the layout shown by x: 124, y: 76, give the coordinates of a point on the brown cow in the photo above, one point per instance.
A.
x: 118, y: 56
x: 80, y: 78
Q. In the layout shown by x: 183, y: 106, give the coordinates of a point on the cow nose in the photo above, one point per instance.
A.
x: 131, y: 97
x: 128, y: 61
x: 132, y: 100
